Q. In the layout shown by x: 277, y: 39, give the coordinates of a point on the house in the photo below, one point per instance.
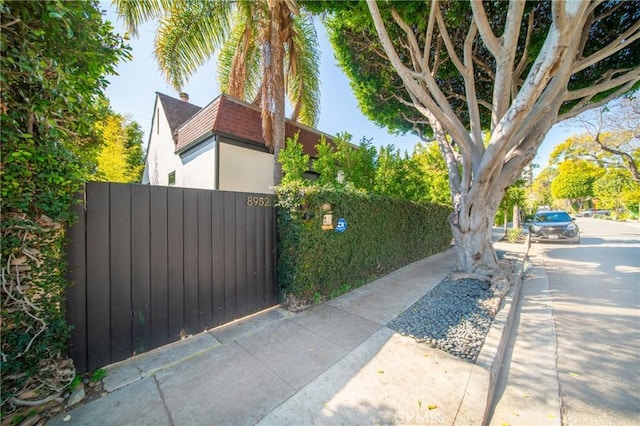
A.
x: 219, y: 146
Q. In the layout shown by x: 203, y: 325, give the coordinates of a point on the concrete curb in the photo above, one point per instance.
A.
x: 488, y: 366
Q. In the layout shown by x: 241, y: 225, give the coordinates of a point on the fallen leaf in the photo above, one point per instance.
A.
x: 66, y: 418
x: 432, y: 407
x: 574, y: 374
x: 426, y: 355
x: 551, y: 416
x: 380, y: 371
x: 419, y: 404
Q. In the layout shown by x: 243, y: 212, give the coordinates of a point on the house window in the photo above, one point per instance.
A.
x: 172, y: 178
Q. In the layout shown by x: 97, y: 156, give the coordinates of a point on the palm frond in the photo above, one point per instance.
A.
x: 187, y: 37
x: 239, y: 59
x: 303, y: 80
x: 136, y: 12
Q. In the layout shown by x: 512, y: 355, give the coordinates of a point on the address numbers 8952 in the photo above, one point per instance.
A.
x: 259, y: 201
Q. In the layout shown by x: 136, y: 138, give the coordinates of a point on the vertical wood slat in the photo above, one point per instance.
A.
x: 270, y: 254
x: 76, y: 293
x: 229, y: 209
x: 120, y: 254
x: 159, y: 302
x: 175, y: 255
x: 204, y: 301
x: 218, y: 256
x: 191, y: 261
x: 241, y: 254
x: 260, y: 259
x: 140, y: 269
x: 160, y: 260
x: 251, y: 242
x: 98, y: 280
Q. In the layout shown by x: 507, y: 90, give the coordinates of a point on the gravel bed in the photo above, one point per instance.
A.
x: 450, y: 317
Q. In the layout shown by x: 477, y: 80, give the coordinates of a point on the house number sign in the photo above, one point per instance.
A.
x: 259, y: 201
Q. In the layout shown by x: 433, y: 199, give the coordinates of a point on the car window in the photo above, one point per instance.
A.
x: 553, y: 217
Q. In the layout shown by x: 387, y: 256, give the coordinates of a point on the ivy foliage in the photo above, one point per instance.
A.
x: 382, y: 235
x: 55, y: 56
x: 372, y: 190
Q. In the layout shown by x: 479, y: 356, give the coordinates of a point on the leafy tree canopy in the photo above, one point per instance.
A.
x: 611, y: 137
x: 421, y: 177
x: 509, y: 70
x: 121, y: 158
x: 612, y: 188
x: 380, y: 91
x: 575, y: 180
x: 541, y: 187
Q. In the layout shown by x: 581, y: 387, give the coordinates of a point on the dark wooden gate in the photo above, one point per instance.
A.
x: 149, y: 263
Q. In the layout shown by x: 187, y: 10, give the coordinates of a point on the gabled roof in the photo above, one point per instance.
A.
x: 177, y: 112
x: 234, y: 118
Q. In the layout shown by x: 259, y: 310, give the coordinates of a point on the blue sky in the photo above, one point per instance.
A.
x: 132, y: 92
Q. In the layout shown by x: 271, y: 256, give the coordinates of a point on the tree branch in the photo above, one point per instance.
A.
x: 470, y: 90
x: 490, y: 40
x: 426, y: 54
x: 628, y: 158
x: 632, y: 75
x: 462, y: 69
x: 522, y: 65
x: 622, y: 41
x: 439, y: 109
x: 413, y: 48
x: 505, y: 60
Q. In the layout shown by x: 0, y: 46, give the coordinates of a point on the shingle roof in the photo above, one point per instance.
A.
x: 232, y: 117
x: 177, y: 112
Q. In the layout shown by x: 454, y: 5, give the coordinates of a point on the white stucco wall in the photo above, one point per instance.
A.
x: 241, y: 168
x: 161, y: 159
x: 198, y: 167
x: 245, y: 170
x: 194, y: 169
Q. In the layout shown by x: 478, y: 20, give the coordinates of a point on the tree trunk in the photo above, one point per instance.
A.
x: 506, y: 219
x: 281, y: 17
x: 273, y: 98
x: 475, y: 251
x: 471, y: 228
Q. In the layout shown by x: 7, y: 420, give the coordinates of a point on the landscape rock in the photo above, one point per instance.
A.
x: 456, y: 315
x: 77, y: 395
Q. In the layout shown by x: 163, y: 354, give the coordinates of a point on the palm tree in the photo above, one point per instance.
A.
x: 268, y: 49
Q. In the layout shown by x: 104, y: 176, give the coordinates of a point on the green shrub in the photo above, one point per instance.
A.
x: 513, y: 234
x: 51, y: 98
x: 382, y: 234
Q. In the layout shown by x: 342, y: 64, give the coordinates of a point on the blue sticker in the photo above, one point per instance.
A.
x: 341, y: 226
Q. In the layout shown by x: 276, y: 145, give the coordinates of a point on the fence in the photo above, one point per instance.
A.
x: 151, y: 263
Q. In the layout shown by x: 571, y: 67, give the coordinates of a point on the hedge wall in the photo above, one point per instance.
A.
x: 382, y: 235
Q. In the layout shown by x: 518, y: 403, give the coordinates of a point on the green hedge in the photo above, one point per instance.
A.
x: 51, y: 98
x: 382, y: 234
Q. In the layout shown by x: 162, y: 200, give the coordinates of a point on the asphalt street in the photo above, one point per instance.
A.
x: 595, y: 292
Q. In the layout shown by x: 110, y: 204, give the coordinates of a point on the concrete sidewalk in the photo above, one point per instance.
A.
x: 528, y: 392
x: 336, y: 363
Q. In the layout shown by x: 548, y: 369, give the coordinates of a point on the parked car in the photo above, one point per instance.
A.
x: 554, y: 226
x: 594, y: 212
